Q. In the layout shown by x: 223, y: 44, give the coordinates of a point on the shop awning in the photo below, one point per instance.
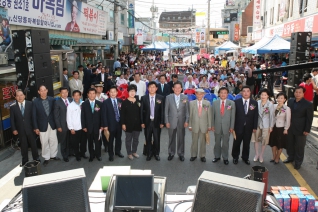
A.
x: 94, y: 42
x: 62, y: 40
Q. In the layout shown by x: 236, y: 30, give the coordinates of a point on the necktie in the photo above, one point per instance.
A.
x: 66, y: 103
x: 22, y: 109
x: 222, y: 108
x: 162, y: 87
x: 245, y: 107
x: 200, y: 108
x: 178, y: 101
x: 92, y: 107
x: 152, y: 108
x: 116, y: 111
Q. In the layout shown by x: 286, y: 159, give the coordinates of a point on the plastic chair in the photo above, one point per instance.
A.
x: 209, y: 97
x: 238, y: 96
x: 207, y: 90
x: 189, y: 91
x: 230, y: 97
x: 191, y: 97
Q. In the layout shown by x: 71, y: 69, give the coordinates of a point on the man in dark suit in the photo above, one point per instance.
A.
x: 246, y: 117
x: 174, y: 79
x: 111, y: 122
x: 91, y: 124
x: 63, y: 135
x: 101, y: 77
x: 87, y: 79
x: 163, y: 88
x: 152, y: 120
x: 44, y: 124
x: 301, y: 121
x: 21, y: 125
x: 65, y: 79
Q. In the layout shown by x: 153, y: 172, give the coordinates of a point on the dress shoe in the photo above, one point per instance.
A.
x: 66, y: 159
x: 276, y: 162
x: 255, y: 158
x: 288, y: 161
x: 70, y: 155
x: 261, y: 160
x: 157, y: 157
x: 148, y: 158
x: 272, y: 161
x: 99, y: 158
x: 203, y: 159
x: 84, y: 156
x: 91, y: 159
x: 55, y: 158
x: 135, y: 155
x: 120, y: 155
x: 45, y: 162
x: 226, y: 162
x: 78, y: 158
x: 235, y: 161
x: 215, y: 160
x: 193, y: 158
x: 170, y: 157
x: 246, y: 161
x: 297, y: 167
x: 181, y: 158
x: 23, y: 164
x: 130, y: 157
x: 111, y: 158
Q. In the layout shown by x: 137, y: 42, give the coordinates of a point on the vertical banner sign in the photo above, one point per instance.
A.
x: 202, y: 36
x: 5, y: 38
x: 197, y: 35
x: 237, y: 32
x: 131, y: 18
x: 282, y: 9
x: 257, y: 24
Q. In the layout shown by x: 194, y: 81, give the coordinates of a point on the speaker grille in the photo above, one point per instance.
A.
x: 216, y: 197
x: 70, y: 195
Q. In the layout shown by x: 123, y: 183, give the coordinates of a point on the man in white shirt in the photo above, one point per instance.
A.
x: 190, y: 84
x: 73, y: 117
x: 141, y: 85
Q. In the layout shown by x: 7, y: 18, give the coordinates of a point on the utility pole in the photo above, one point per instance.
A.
x: 208, y: 37
x: 116, y: 17
x: 153, y: 10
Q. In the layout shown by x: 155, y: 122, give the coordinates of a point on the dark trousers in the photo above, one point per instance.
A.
x: 26, y: 141
x: 94, y: 146
x: 115, y: 135
x: 152, y: 131
x: 64, y: 138
x: 132, y: 140
x: 78, y: 142
x: 246, y: 138
x: 315, y: 102
x: 296, y: 148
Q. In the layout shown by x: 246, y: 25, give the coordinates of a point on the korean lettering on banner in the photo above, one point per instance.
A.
x: 50, y: 5
x: 9, y: 91
x: 257, y: 15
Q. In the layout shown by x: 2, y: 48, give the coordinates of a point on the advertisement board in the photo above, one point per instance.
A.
x: 257, y: 23
x: 66, y: 15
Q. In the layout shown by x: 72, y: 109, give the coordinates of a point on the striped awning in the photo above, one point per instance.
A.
x: 62, y: 40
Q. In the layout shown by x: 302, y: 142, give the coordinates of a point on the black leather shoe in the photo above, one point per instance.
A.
x: 181, y: 158
x: 148, y: 158
x: 157, y: 157
x: 170, y: 157
x: 226, y: 162
x: 66, y: 159
x: 272, y: 161
x: 193, y: 158
x: 38, y: 160
x: 216, y: 160
x: 246, y: 161
x: 235, y: 161
x: 288, y: 161
x: 70, y: 155
x: 99, y: 158
x: 84, y: 156
x: 111, y: 158
x: 91, y: 159
x: 45, y: 162
x: 55, y: 158
x: 297, y: 167
x: 203, y: 159
x: 120, y: 155
x: 78, y: 159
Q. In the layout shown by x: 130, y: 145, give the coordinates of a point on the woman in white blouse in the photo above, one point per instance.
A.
x: 278, y: 137
x: 190, y: 84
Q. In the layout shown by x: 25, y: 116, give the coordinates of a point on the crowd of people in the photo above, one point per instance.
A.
x: 90, y: 113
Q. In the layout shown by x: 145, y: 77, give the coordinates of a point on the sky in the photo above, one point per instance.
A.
x: 142, y: 9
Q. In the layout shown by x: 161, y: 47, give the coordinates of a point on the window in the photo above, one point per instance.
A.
x: 173, y: 18
x: 179, y: 18
x: 122, y: 19
x: 303, y: 6
x: 111, y: 16
x: 185, y: 17
x: 163, y: 18
x: 168, y: 18
x: 265, y: 18
x: 272, y: 16
x: 278, y: 8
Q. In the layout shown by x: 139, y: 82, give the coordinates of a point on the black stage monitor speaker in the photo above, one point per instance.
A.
x: 224, y: 193
x: 289, y: 90
x: 295, y: 77
x: 60, y: 191
x: 39, y: 65
x: 37, y: 41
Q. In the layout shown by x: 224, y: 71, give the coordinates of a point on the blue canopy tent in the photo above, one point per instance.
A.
x: 276, y: 45
x: 154, y: 47
x: 253, y: 49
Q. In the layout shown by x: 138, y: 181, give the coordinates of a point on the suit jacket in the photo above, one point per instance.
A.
x: 159, y: 110
x: 301, y: 117
x: 74, y: 86
x: 202, y: 123
x: 91, y: 121
x: 173, y: 116
x: 222, y: 124
x: 88, y: 78
x: 166, y: 90
x: 250, y: 119
x: 282, y: 119
x: 60, y: 110
x: 39, y: 117
x: 108, y: 114
x: 105, y: 81
x: 66, y: 83
x: 23, y: 124
x: 266, y: 120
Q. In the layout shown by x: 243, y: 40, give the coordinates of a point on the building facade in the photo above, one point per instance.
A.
x: 177, y: 20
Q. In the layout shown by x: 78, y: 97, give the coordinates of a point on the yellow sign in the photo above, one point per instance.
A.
x: 57, y: 85
x: 200, y: 14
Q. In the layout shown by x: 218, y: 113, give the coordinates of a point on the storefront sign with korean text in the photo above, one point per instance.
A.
x: 257, y: 23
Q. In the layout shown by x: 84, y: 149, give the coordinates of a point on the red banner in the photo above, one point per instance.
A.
x: 237, y: 32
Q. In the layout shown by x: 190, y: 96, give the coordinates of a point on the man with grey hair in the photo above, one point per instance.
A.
x: 190, y: 84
